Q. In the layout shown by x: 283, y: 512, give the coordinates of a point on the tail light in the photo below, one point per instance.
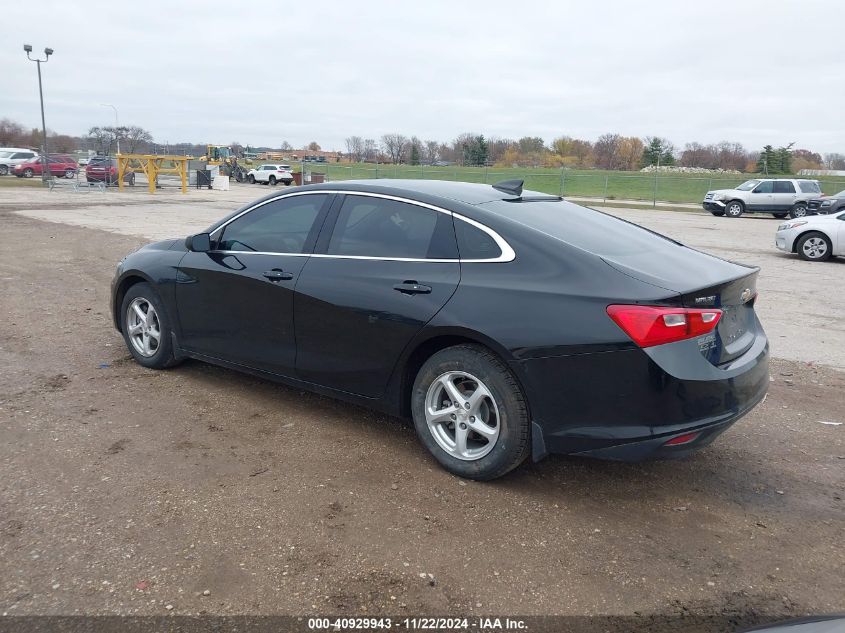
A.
x: 655, y: 325
x: 678, y: 440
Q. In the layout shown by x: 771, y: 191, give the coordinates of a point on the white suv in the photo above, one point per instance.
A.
x: 780, y: 197
x: 11, y: 156
x: 270, y: 175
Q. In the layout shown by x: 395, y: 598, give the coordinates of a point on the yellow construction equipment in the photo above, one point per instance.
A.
x: 152, y: 165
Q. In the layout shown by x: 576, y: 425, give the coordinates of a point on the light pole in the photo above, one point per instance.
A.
x: 116, y: 124
x: 45, y: 168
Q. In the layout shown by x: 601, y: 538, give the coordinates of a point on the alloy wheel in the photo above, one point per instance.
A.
x: 462, y: 415
x: 734, y: 210
x: 814, y: 248
x: 143, y: 327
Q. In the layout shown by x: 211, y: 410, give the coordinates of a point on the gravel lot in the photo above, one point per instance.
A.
x: 125, y: 490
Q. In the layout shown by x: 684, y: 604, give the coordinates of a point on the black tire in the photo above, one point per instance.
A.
x: 817, y: 251
x: 163, y: 354
x: 718, y: 214
x: 27, y: 173
x: 69, y: 173
x: 780, y: 216
x: 734, y: 208
x: 273, y: 181
x: 512, y: 445
x: 798, y: 211
x: 250, y: 179
x: 287, y: 182
x: 4, y: 170
x: 131, y: 180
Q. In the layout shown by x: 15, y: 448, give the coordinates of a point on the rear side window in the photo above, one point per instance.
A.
x: 280, y: 226
x: 379, y: 227
x: 764, y: 187
x: 473, y: 243
x: 784, y: 186
x: 809, y: 186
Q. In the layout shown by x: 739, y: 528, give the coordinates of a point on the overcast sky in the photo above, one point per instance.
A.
x: 217, y: 72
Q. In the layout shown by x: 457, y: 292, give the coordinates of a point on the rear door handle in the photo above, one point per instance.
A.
x: 410, y: 287
x: 277, y: 275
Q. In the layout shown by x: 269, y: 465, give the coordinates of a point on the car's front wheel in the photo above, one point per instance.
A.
x: 798, y: 211
x: 146, y: 327
x: 814, y: 247
x: 131, y: 180
x: 27, y: 173
x: 470, y: 413
x: 734, y: 209
x: 69, y: 173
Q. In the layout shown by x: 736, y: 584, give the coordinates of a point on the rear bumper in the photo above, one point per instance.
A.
x: 626, y: 404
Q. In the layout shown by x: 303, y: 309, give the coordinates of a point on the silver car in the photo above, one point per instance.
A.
x: 814, y: 238
x: 778, y: 196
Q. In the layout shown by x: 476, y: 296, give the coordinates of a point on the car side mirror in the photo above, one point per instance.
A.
x: 199, y: 243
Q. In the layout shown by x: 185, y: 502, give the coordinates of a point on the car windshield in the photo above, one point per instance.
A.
x: 5, y: 154
x: 841, y: 194
x: 748, y: 185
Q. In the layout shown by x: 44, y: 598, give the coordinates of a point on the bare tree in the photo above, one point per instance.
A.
x: 370, y: 149
x: 286, y: 147
x: 136, y: 139
x: 606, y: 150
x: 431, y: 152
x: 394, y: 145
x: 355, y: 148
x: 313, y: 146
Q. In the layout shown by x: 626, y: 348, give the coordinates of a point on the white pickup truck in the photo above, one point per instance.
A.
x: 270, y: 175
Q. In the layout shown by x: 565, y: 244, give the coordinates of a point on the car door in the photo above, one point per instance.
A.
x: 377, y: 277
x: 839, y: 236
x: 235, y: 302
x: 761, y: 197
x: 783, y: 195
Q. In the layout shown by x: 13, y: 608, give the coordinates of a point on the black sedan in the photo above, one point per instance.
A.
x: 827, y: 204
x: 504, y: 323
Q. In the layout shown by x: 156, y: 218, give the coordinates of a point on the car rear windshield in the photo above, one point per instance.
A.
x: 594, y: 231
x: 809, y: 186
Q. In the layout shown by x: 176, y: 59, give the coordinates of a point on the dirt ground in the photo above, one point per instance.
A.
x: 200, y: 490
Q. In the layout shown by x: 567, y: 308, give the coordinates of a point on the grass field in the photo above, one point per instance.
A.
x: 610, y: 185
x: 13, y: 181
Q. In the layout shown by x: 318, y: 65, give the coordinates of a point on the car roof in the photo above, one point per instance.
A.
x: 466, y: 192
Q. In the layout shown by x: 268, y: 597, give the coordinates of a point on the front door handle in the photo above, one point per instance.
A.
x: 278, y: 275
x: 411, y: 287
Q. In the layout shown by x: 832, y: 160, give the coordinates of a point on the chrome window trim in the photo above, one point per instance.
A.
x: 507, y: 253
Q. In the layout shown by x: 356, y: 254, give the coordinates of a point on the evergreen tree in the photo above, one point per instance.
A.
x: 657, y: 151
x: 768, y: 162
x: 415, y: 154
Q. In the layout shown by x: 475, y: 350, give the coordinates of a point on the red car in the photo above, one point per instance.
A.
x: 104, y: 169
x: 59, y: 164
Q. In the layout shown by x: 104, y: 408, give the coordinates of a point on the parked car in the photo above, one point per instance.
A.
x: 104, y: 169
x: 504, y: 323
x: 270, y: 175
x: 780, y: 197
x: 12, y: 156
x: 814, y: 238
x: 58, y: 164
x: 826, y: 204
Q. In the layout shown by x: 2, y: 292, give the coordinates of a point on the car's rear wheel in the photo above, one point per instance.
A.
x: 273, y: 180
x: 814, y: 247
x: 146, y: 327
x: 250, y: 179
x: 780, y: 216
x: 798, y: 211
x: 27, y: 173
x: 4, y: 170
x: 287, y: 182
x: 734, y: 209
x: 69, y: 173
x: 718, y: 214
x: 131, y: 180
x: 470, y: 413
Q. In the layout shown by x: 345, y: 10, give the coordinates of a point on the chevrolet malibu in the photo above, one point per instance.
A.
x: 504, y: 323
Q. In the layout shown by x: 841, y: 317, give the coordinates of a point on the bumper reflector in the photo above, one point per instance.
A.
x: 686, y: 438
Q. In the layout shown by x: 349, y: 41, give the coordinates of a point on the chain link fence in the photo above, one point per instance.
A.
x: 605, y: 186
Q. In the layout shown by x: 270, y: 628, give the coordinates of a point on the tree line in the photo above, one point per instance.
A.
x: 609, y: 151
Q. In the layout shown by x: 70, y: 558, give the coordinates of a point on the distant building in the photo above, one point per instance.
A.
x: 821, y: 172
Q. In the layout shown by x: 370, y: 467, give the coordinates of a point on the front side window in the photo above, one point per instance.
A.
x: 379, y: 227
x: 764, y: 187
x: 784, y: 186
x: 280, y: 226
